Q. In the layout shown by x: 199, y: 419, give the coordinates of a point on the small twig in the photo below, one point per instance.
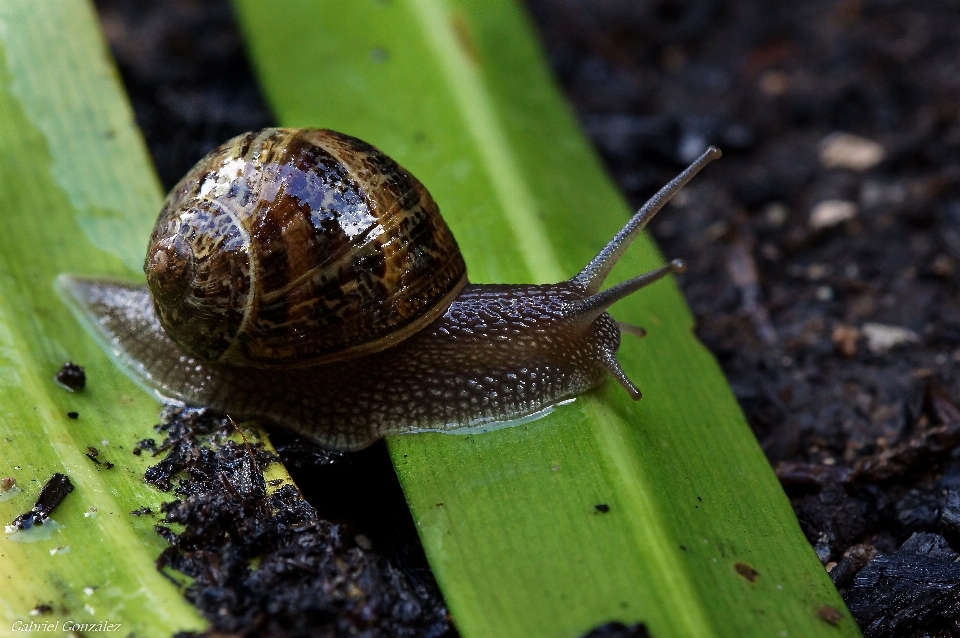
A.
x: 743, y: 272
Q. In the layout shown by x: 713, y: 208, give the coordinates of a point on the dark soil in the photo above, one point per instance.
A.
x: 312, y: 577
x: 862, y: 432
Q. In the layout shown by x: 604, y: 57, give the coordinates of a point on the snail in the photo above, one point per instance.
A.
x: 303, y: 278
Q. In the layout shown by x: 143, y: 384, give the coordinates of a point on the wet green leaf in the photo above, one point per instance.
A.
x: 77, y: 194
x: 458, y: 92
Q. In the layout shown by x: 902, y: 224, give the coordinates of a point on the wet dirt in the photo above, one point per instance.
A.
x: 263, y: 562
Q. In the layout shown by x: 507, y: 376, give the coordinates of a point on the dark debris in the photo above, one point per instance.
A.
x: 93, y: 454
x: 852, y: 561
x: 146, y: 445
x: 52, y: 494
x: 301, y: 454
x: 915, y: 589
x: 856, y: 516
x: 311, y: 580
x: 618, y: 630
x: 829, y: 615
x: 71, y: 377
x: 747, y: 572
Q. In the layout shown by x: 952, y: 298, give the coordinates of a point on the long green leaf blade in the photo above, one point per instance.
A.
x: 77, y: 194
x: 458, y: 93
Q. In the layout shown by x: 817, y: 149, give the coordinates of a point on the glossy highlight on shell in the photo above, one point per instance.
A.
x: 288, y: 247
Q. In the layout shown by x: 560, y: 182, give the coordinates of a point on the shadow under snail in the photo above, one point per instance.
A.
x: 302, y: 277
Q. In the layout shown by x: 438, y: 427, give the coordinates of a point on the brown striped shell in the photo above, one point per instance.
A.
x: 291, y: 247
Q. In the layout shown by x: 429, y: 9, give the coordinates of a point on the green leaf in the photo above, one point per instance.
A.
x: 458, y: 92
x: 77, y: 194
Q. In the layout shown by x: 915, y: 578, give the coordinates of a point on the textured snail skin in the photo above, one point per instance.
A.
x: 498, y: 353
x: 481, y: 354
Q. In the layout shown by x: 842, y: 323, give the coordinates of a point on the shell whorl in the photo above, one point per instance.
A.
x: 299, y: 246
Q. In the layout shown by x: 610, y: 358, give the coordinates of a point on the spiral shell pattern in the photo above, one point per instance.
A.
x: 289, y: 247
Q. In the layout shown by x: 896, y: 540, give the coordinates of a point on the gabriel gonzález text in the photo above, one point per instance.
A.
x: 65, y: 626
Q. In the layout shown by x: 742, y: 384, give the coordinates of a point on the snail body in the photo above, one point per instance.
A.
x: 301, y: 277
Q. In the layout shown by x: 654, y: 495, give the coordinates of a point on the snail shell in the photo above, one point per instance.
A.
x: 302, y: 277
x: 291, y: 247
